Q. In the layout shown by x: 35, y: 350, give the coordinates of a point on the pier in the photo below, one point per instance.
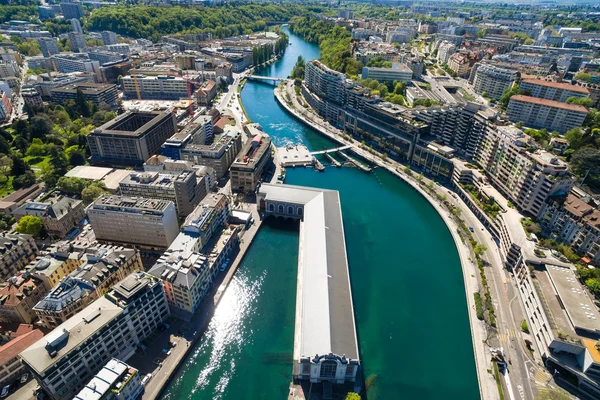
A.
x: 353, y: 161
x: 325, y: 341
x: 333, y: 160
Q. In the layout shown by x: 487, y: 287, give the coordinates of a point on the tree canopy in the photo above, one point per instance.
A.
x: 30, y: 224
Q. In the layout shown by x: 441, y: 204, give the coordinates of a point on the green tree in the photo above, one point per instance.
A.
x: 594, y: 285
x: 574, y: 137
x: 583, y: 77
x: 77, y: 157
x: 41, y: 126
x: 58, y: 160
x: 353, y: 396
x: 71, y: 185
x: 82, y: 104
x: 92, y: 192
x: 24, y: 180
x: 586, y: 159
x: 524, y: 326
x: 30, y: 224
x: 19, y: 166
x: 479, y: 249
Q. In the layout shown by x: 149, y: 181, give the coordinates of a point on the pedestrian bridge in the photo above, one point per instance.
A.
x: 331, y: 150
x: 325, y: 342
x: 264, y: 78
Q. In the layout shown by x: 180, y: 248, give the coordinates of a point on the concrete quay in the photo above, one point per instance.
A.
x: 487, y: 384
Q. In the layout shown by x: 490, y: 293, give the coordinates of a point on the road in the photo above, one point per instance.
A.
x: 229, y: 101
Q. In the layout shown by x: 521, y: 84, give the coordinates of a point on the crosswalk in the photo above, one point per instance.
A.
x: 540, y: 377
x: 506, y: 337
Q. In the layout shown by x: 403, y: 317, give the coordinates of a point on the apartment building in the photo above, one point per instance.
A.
x: 206, y: 93
x: 76, y: 63
x: 249, y: 166
x: 184, y: 189
x: 31, y: 96
x: 201, y: 130
x: 11, y: 368
x: 550, y: 90
x: 445, y: 50
x: 399, y: 72
x: 109, y: 38
x: 77, y: 41
x: 460, y: 64
x: 541, y: 113
x: 149, y: 223
x: 527, y: 179
x: 573, y: 222
x: 325, y: 82
x: 8, y: 69
x: 207, y: 218
x: 53, y: 266
x: 5, y: 106
x: 97, y: 93
x: 163, y: 87
x: 17, y: 250
x: 115, y: 381
x: 18, y: 295
x: 60, y: 214
x: 493, y: 81
x: 132, y: 137
x: 219, y: 154
x: 187, y: 274
x: 71, y: 10
x: 99, y: 269
x: 68, y: 357
x: 48, y: 46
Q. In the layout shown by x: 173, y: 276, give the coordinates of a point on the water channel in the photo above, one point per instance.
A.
x: 407, y: 285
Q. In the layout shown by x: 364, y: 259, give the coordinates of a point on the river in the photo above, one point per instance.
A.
x: 407, y: 283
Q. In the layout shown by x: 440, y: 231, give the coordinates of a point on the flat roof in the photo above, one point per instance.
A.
x: 557, y: 85
x: 88, y: 172
x: 79, y: 327
x: 580, y: 309
x: 549, y: 103
x: 324, y: 310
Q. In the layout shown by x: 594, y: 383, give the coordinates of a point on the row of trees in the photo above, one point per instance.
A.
x: 154, y: 22
x: 261, y: 54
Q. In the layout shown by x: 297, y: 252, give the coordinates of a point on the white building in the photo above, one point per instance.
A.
x: 115, y: 381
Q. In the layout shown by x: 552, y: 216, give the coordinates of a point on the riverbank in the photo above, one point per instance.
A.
x: 487, y: 384
x: 197, y: 326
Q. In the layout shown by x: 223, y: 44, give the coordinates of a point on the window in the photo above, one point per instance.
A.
x: 290, y: 210
x: 280, y: 209
x: 328, y: 369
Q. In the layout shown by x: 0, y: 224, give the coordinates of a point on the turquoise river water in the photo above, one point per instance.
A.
x: 407, y: 283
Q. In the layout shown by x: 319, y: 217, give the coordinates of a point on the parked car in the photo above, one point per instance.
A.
x: 146, y: 379
x: 5, y: 391
x: 471, y: 229
x: 167, y: 351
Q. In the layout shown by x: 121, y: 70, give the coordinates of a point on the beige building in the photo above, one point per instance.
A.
x: 541, y: 113
x: 144, y: 222
x: 100, y: 269
x: 60, y: 214
x: 16, y: 252
x: 249, y: 166
x: 460, y: 64
x: 17, y: 298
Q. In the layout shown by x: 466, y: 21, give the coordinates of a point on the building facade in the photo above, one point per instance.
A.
x: 249, y: 166
x: 493, y: 81
x: 60, y: 214
x: 18, y: 296
x: 131, y: 138
x: 550, y: 90
x: 140, y: 221
x: 17, y: 250
x: 549, y: 114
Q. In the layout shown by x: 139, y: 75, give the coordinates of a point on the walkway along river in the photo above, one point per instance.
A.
x: 407, y: 284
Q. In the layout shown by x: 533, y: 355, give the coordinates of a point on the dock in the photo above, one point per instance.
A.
x: 356, y: 163
x: 314, y: 153
x: 333, y: 160
x: 295, y: 156
x: 325, y: 343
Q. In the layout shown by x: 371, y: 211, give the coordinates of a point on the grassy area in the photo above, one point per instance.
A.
x: 38, y: 164
x: 240, y: 87
x: 7, y: 188
x: 498, y: 383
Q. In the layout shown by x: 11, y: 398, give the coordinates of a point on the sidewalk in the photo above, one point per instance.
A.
x: 487, y: 384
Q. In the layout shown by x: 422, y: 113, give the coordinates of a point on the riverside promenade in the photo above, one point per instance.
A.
x: 487, y: 384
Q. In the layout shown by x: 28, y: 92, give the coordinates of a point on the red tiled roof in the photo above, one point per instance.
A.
x: 557, y: 85
x: 17, y: 345
x: 14, y: 294
x: 549, y: 103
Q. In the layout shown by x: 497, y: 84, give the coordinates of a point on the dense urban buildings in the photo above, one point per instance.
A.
x: 97, y: 93
x: 16, y: 251
x: 155, y: 87
x: 148, y: 223
x: 131, y: 138
x: 67, y: 358
x: 18, y: 295
x: 493, y: 81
